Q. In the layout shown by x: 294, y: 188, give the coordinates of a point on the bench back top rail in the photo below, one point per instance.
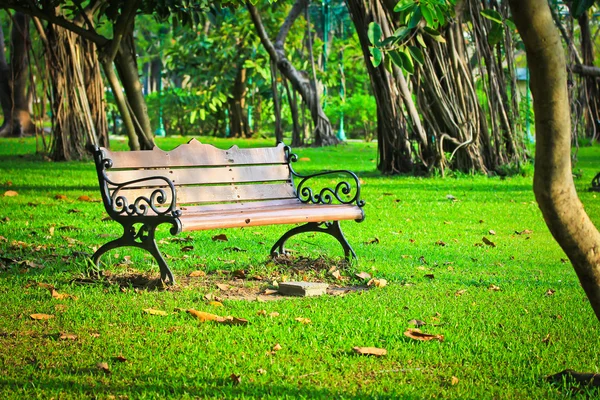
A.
x: 137, y: 182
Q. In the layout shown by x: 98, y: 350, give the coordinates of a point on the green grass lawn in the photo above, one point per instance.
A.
x: 510, y: 314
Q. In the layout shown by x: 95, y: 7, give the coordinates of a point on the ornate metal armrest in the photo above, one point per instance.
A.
x: 140, y: 206
x: 326, y: 195
x: 117, y: 205
x: 344, y: 192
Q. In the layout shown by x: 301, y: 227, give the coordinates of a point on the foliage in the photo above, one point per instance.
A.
x: 416, y: 18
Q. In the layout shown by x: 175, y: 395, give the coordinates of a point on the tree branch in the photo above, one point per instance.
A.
x: 260, y: 30
x: 90, y: 35
x: 565, y: 36
x: 295, y: 12
x: 120, y: 28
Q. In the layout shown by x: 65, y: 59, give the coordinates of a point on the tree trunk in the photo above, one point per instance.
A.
x: 126, y: 64
x: 238, y: 121
x: 73, y: 124
x: 553, y: 180
x: 276, y: 103
x: 17, y: 119
x: 394, y: 148
x: 300, y: 80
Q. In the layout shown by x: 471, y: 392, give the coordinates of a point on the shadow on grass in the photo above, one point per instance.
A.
x: 163, y: 385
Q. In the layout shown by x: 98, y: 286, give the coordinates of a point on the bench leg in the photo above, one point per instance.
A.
x: 331, y: 228
x: 143, y: 239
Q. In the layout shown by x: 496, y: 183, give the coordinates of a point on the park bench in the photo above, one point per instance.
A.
x: 199, y: 187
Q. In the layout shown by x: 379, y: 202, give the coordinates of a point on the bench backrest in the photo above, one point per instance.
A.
x: 203, y: 174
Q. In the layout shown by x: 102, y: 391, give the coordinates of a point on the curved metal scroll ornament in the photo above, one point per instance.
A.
x: 326, y: 195
x: 140, y: 206
x: 596, y: 183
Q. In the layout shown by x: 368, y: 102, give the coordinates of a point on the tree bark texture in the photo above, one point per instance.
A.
x: 13, y: 81
x: 73, y: 123
x: 238, y: 120
x: 394, y: 148
x: 300, y: 80
x: 126, y: 65
x: 553, y: 180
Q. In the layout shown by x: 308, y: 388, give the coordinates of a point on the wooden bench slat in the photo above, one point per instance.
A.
x: 270, y: 216
x: 218, y: 194
x: 195, y: 153
x: 192, y: 176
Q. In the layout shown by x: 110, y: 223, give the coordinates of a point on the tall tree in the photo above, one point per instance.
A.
x: 394, y: 147
x: 300, y: 80
x: 13, y: 79
x: 553, y: 180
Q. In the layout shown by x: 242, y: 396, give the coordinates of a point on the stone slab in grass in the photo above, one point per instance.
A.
x: 302, y: 288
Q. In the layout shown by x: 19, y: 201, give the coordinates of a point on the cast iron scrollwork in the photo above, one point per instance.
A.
x: 596, y: 183
x: 344, y: 192
x: 120, y: 205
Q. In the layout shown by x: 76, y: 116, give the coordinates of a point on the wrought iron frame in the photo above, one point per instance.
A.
x: 325, y: 195
x: 139, y: 224
x: 131, y: 215
x: 596, y: 183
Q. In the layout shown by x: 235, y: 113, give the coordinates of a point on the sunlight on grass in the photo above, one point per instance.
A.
x: 510, y: 313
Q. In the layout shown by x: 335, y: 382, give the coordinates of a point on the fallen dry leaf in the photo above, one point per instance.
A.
x: 454, y: 381
x: 215, y: 303
x: 488, y: 242
x: 336, y: 274
x: 262, y: 312
x: 222, y: 286
x: 60, y: 197
x: 440, y: 243
x: 204, y: 316
x: 67, y: 336
x: 270, y: 291
x: 120, y: 358
x: 102, y: 366
x: 370, y: 351
x: 195, y: 274
x: 494, y: 288
x: 41, y: 317
x: 229, y: 320
x: 550, y: 292
x: 304, y: 321
x: 377, y: 282
x: 277, y: 347
x: 261, y: 371
x: 546, y: 339
x: 187, y: 248
x: 10, y: 193
x: 417, y: 322
x: 84, y: 198
x: 373, y: 241
x: 61, y: 296
x: 304, y: 159
x: 460, y: 292
x: 429, y: 276
x: 221, y: 238
x: 416, y: 334
x: 524, y: 232
x: 235, y: 379
x: 364, y: 276
x: 274, y: 314
x: 152, y: 311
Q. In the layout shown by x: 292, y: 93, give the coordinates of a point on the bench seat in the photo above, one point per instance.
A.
x: 256, y: 214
